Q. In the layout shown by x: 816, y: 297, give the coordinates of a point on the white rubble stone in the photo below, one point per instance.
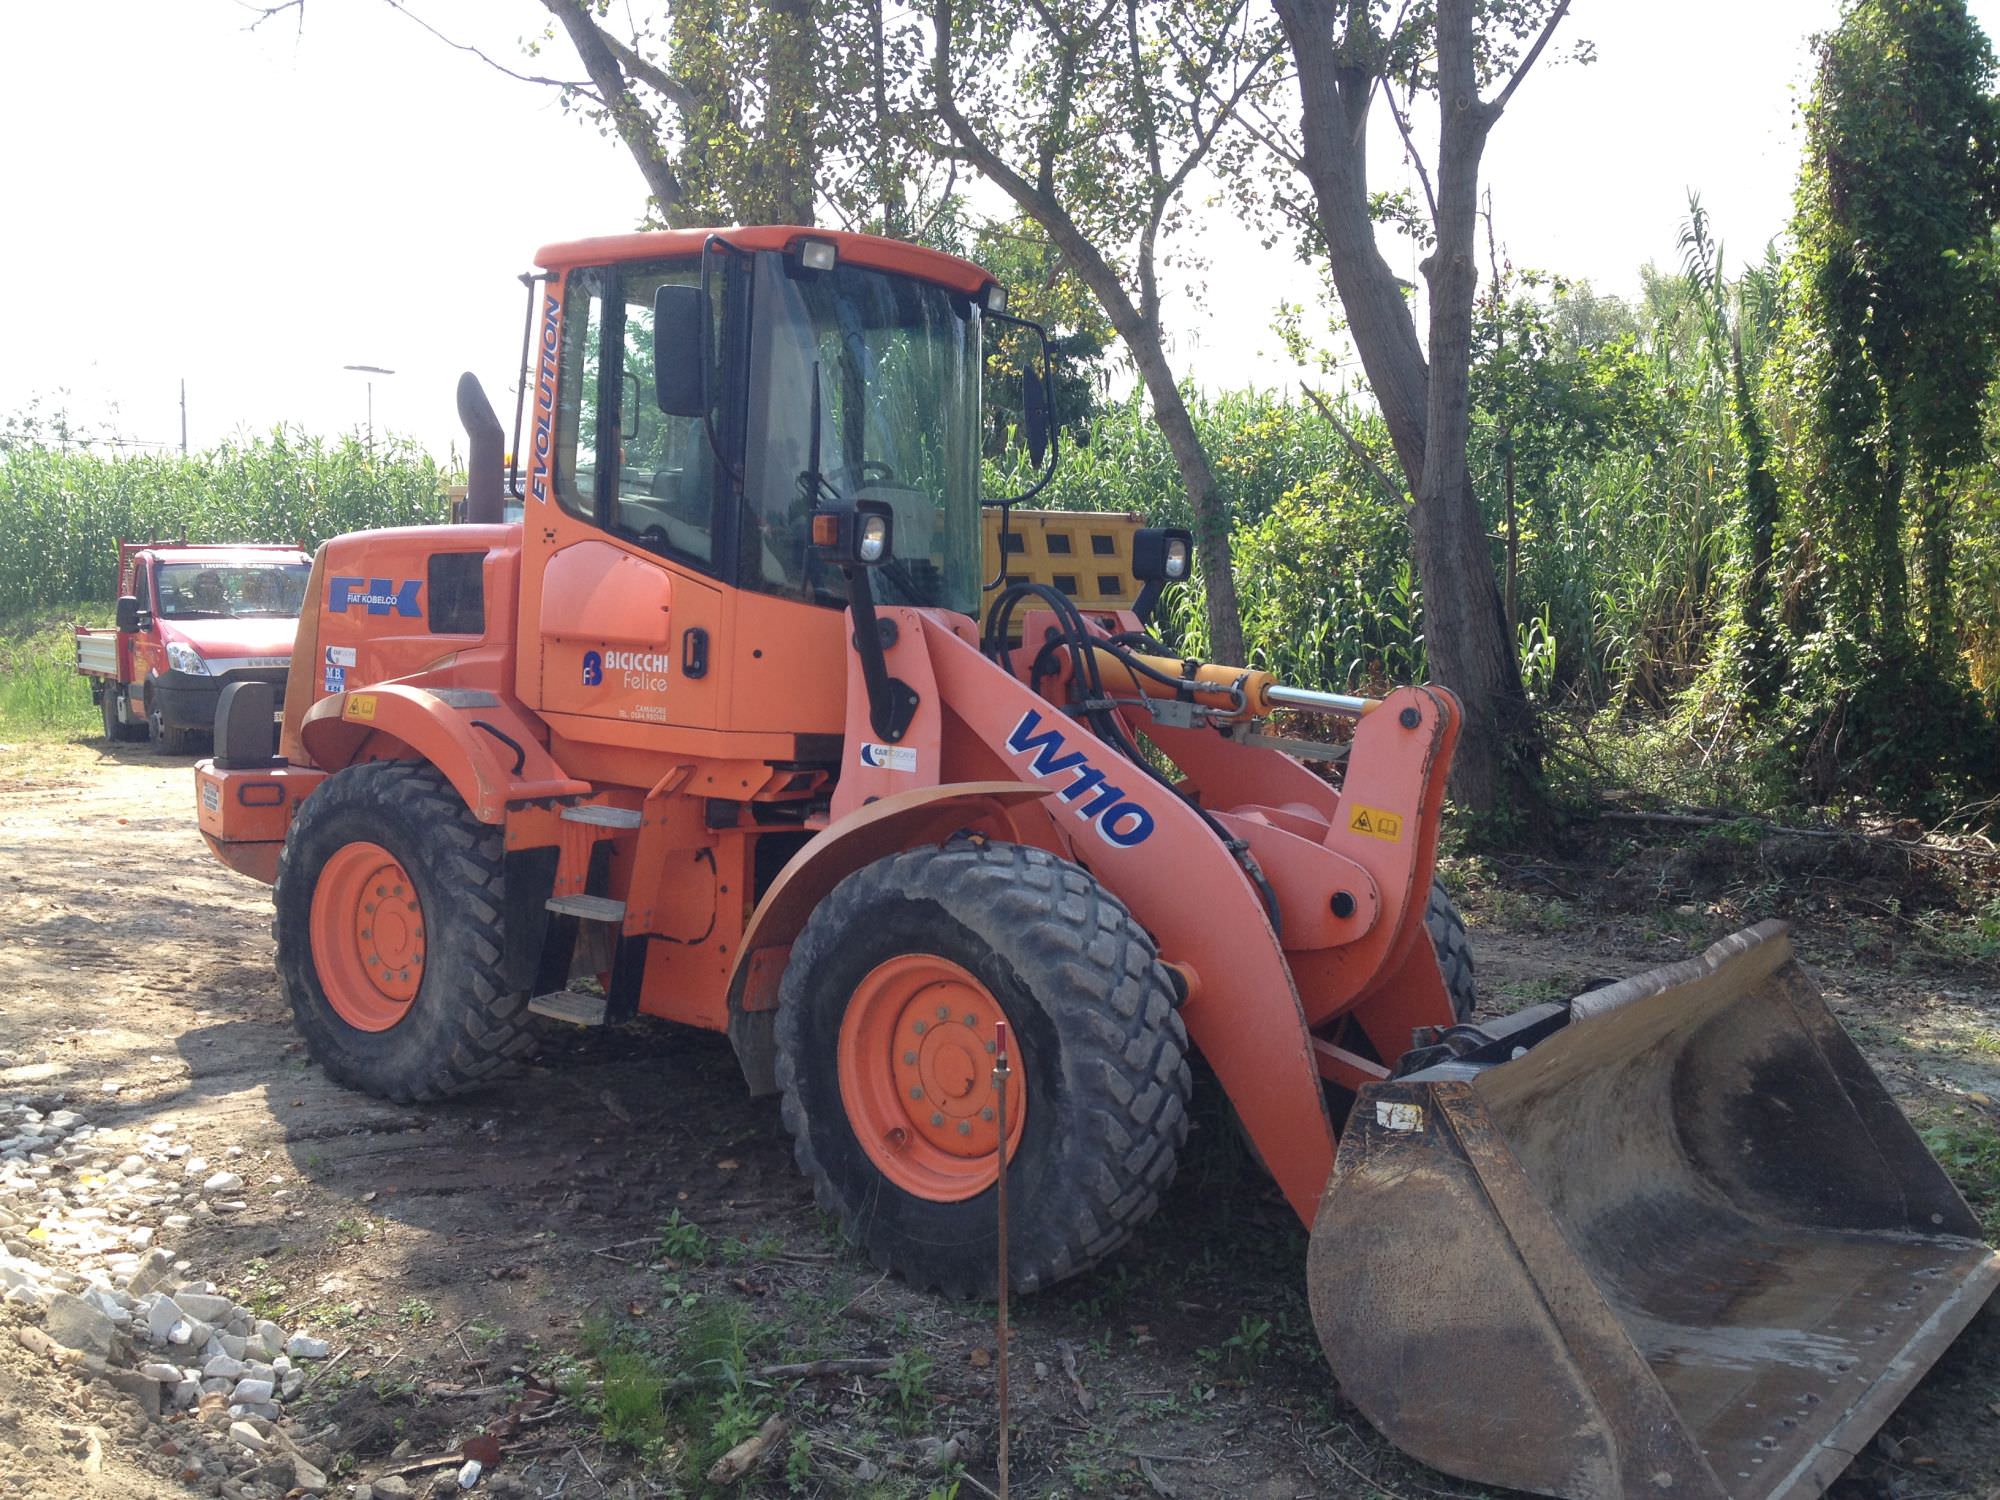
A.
x: 246, y: 1436
x: 222, y: 1367
x: 249, y: 1392
x: 162, y: 1318
x: 161, y: 1371
x: 204, y: 1305
x: 299, y: 1346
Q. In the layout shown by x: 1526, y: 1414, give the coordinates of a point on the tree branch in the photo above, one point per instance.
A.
x: 572, y: 85
x: 1396, y: 493
x: 650, y: 73
x: 636, y: 124
x: 1409, y: 145
x: 1527, y: 62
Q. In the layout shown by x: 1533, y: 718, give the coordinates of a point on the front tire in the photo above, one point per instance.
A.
x: 884, y: 1025
x: 390, y: 929
x: 1454, y: 951
x: 167, y: 740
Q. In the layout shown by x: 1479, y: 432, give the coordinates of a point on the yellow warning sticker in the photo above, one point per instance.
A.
x: 361, y: 706
x: 1377, y: 824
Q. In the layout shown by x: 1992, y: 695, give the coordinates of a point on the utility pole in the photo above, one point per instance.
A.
x: 184, y: 416
x: 371, y: 371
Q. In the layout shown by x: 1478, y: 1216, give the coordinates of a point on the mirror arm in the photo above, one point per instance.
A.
x: 892, y: 703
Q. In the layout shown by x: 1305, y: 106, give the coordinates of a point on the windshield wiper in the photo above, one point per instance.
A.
x: 814, y: 486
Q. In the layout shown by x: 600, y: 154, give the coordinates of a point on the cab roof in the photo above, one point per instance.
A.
x: 867, y: 250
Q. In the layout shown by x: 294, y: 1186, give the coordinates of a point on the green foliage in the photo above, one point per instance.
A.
x: 67, y: 510
x: 40, y: 692
x: 683, y: 1240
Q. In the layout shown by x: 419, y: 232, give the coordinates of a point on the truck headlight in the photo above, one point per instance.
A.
x: 186, y: 659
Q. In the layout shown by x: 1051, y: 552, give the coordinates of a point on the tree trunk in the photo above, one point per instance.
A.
x: 1426, y: 404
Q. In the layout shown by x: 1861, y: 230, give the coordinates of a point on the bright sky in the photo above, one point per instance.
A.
x: 253, y: 210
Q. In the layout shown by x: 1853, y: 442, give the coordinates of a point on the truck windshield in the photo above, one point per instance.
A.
x: 241, y: 591
x: 896, y: 364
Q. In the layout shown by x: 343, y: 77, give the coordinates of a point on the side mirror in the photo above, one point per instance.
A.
x: 1160, y: 555
x: 860, y: 537
x: 681, y: 350
x: 128, y: 612
x: 1035, y: 414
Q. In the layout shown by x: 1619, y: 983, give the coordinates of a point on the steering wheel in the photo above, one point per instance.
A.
x: 876, y: 472
x: 654, y: 536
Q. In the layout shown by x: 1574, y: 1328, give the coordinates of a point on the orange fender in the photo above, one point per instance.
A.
x: 488, y: 749
x: 903, y: 820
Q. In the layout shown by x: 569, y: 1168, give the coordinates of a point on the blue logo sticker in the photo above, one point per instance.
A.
x: 593, y: 669
x: 336, y: 679
x: 375, y: 595
x: 1090, y: 794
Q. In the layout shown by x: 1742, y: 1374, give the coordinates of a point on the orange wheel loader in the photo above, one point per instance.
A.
x: 757, y: 720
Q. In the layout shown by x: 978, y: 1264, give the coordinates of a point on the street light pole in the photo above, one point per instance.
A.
x: 371, y: 371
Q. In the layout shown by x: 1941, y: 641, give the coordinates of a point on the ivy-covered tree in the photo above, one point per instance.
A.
x: 1889, y: 348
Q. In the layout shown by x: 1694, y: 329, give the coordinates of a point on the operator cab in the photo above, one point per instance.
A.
x: 756, y: 385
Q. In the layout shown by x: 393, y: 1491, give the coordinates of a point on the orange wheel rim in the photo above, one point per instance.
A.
x: 367, y: 936
x: 916, y: 1077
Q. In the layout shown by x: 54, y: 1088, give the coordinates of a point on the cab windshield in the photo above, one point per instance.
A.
x: 891, y: 366
x: 210, y: 591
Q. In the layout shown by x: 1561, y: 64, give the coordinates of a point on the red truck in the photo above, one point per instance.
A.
x: 191, y: 620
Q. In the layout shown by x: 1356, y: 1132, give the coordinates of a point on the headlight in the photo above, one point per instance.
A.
x: 872, y: 543
x: 186, y: 659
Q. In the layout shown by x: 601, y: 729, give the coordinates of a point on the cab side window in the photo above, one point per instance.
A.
x: 577, y: 398
x: 666, y: 470
x: 621, y: 462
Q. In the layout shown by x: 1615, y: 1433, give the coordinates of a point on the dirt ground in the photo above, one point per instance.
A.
x: 621, y: 1215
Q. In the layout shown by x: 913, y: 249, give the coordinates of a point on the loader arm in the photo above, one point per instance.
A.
x: 1152, y: 850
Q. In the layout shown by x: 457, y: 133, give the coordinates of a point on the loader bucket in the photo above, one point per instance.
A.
x: 1685, y: 1246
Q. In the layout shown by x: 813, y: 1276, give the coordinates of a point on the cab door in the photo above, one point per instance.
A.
x: 627, y: 614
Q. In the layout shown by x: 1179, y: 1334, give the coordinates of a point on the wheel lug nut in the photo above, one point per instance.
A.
x: 917, y: 1027
x: 989, y: 1046
x: 965, y: 1127
x: 944, y: 1012
x: 986, y: 1114
x: 909, y: 1059
x: 916, y: 1093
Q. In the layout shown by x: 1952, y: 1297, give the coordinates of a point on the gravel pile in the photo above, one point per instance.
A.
x: 87, y: 1216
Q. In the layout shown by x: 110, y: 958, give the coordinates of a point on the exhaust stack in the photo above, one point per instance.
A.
x: 485, y: 496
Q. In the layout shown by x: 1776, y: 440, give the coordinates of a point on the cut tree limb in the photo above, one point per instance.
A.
x: 748, y: 1454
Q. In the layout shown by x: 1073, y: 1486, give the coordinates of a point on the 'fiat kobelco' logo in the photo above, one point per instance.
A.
x: 1093, y: 798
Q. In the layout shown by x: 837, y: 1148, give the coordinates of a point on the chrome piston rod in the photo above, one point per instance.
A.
x: 1343, y: 704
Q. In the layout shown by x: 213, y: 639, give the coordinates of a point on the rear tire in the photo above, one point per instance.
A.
x: 452, y: 1025
x: 1454, y: 951
x: 116, y: 730
x: 1100, y: 1061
